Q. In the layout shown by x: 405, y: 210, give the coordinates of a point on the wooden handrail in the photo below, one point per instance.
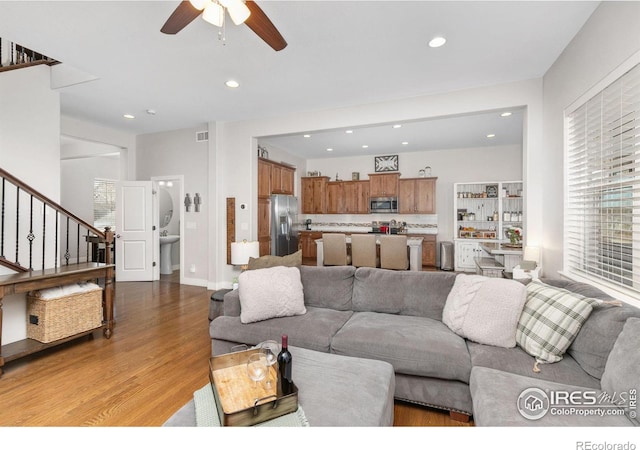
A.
x: 50, y: 203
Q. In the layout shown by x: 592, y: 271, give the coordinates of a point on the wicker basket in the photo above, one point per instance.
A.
x: 57, y: 318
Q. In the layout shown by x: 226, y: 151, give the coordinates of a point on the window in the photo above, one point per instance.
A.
x: 602, y: 221
x: 104, y: 204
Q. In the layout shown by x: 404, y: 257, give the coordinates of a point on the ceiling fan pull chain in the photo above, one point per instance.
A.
x: 222, y: 32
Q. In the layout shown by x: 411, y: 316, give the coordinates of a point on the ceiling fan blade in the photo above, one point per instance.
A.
x: 263, y: 27
x: 183, y: 15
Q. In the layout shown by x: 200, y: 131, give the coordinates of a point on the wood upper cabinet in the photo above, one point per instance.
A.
x: 264, y: 178
x: 417, y: 196
x: 314, y: 195
x: 348, y: 197
x: 282, y: 179
x: 335, y: 197
x: 383, y: 184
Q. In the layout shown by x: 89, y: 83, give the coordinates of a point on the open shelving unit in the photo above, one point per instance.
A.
x: 483, y: 211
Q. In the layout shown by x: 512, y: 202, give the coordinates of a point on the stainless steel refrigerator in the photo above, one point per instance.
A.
x: 284, y: 225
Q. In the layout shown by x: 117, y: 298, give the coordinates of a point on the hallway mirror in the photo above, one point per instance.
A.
x: 165, y: 207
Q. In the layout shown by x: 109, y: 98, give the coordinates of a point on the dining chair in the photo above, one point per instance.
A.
x: 364, y: 251
x: 334, y: 247
x: 393, y: 252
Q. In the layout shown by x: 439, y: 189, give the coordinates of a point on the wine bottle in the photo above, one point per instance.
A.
x: 285, y: 361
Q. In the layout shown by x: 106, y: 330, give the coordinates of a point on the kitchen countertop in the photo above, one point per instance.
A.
x: 497, y: 248
x: 326, y: 229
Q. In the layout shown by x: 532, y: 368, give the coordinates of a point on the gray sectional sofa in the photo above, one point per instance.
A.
x: 396, y: 316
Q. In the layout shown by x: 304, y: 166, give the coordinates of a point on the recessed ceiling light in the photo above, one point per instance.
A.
x: 129, y: 116
x: 397, y: 126
x: 437, y: 41
x: 505, y: 114
x: 491, y: 136
x: 405, y: 143
x: 329, y: 149
x: 232, y: 84
x: 151, y: 112
x: 365, y: 146
x: 307, y: 136
x: 349, y: 131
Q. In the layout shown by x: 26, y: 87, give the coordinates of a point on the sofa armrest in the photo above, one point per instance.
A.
x: 231, y: 305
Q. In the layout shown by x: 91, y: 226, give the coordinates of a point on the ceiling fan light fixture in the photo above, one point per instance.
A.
x: 238, y: 11
x: 199, y: 4
x: 214, y: 14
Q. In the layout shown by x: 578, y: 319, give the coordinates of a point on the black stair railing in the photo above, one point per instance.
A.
x: 33, y: 229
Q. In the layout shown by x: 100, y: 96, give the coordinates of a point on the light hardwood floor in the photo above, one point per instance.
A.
x: 155, y: 360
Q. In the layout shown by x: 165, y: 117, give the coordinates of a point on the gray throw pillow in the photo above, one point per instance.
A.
x: 266, y: 261
x: 621, y: 376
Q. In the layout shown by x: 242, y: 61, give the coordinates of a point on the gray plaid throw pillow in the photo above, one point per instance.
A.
x: 550, y: 321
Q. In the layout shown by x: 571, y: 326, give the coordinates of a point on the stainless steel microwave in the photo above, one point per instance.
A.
x: 383, y: 205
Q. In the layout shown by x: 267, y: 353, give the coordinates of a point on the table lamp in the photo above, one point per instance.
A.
x: 242, y: 251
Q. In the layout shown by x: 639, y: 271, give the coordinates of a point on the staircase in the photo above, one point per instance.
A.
x: 15, y: 56
x: 43, y: 245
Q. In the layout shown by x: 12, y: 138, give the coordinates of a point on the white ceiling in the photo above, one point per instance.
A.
x: 340, y: 53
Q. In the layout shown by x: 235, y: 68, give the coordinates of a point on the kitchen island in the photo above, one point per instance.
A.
x: 414, y: 244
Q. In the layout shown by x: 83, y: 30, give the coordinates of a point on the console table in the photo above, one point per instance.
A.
x: 41, y: 279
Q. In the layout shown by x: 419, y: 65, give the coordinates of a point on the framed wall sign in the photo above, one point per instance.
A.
x: 386, y: 163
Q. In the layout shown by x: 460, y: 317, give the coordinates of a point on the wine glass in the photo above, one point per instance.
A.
x: 270, y: 349
x: 257, y: 367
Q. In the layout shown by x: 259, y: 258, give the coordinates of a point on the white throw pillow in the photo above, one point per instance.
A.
x: 485, y: 310
x: 268, y: 293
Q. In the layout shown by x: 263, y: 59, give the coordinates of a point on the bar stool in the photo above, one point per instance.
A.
x: 364, y: 250
x: 334, y: 246
x: 393, y: 252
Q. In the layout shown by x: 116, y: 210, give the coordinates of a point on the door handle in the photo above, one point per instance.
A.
x: 117, y: 236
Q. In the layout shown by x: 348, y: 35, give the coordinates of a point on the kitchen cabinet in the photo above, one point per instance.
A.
x: 274, y: 178
x: 307, y: 243
x: 428, y: 249
x: 314, y: 195
x: 465, y: 253
x: 417, y: 196
x: 264, y: 225
x: 383, y: 185
x: 347, y: 197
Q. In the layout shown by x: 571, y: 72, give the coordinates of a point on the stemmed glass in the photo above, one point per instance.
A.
x: 257, y: 367
x: 270, y: 349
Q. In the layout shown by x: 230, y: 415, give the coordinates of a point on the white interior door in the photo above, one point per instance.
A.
x: 135, y: 231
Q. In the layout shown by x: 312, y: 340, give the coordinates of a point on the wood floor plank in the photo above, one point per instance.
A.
x: 157, y: 357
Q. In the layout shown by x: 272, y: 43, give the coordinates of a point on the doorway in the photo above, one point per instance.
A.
x: 170, y: 227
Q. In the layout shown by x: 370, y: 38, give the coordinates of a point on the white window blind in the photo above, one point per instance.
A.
x: 602, y: 217
x: 104, y: 204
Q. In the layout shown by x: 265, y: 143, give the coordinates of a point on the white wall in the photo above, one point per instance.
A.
x: 76, y: 184
x: 177, y: 153
x: 29, y: 150
x: 608, y: 38
x: 236, y: 167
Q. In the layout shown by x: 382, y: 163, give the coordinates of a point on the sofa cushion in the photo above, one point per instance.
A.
x: 621, y: 375
x: 497, y: 394
x: 313, y: 330
x: 517, y: 361
x: 266, y: 261
x: 269, y: 293
x: 595, y: 340
x: 550, y: 321
x: 402, y: 292
x: 328, y: 287
x: 413, y: 345
x: 485, y: 310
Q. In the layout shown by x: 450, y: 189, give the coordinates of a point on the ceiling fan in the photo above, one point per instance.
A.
x: 213, y: 12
